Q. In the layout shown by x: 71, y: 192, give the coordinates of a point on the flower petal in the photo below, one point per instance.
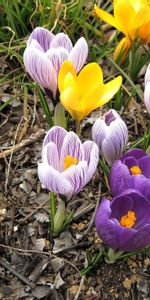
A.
x: 50, y: 155
x: 40, y: 68
x: 56, y: 135
x: 67, y: 67
x: 76, y: 175
x: 71, y: 146
x: 99, y: 132
x: 62, y: 40
x: 43, y: 36
x: 78, y: 54
x: 89, y: 76
x: 54, y: 181
x: 122, y: 50
x: 106, y: 17
x: 91, y: 155
x: 57, y: 56
x: 70, y: 101
x: 110, y: 89
x: 147, y: 96
x: 113, y: 145
x: 122, y: 9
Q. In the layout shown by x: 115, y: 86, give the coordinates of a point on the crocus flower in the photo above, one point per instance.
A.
x: 132, y: 170
x: 110, y: 133
x: 81, y: 94
x: 67, y: 164
x: 130, y: 17
x: 147, y: 89
x: 46, y: 52
x: 124, y: 222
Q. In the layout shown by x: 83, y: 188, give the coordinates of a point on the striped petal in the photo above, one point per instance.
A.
x: 62, y: 40
x: 54, y: 181
x: 147, y: 96
x: 43, y: 36
x: 57, y: 56
x: 76, y: 175
x: 50, y: 155
x: 40, y: 68
x: 56, y: 135
x: 72, y: 146
x: 78, y: 54
x: 99, y: 132
x: 91, y: 155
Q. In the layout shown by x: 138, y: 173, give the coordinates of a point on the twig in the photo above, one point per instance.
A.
x: 33, y: 212
x: 28, y: 252
x: 33, y: 137
x: 6, y: 265
x: 73, y: 247
x: 80, y: 287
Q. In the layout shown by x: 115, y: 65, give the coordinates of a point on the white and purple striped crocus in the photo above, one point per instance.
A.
x: 45, y: 54
x: 147, y: 89
x: 67, y: 164
x: 110, y: 133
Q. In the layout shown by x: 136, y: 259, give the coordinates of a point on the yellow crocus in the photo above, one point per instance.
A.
x: 131, y: 17
x: 81, y: 94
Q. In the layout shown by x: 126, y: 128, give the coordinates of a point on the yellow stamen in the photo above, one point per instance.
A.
x: 135, y: 170
x: 69, y: 161
x: 128, y: 220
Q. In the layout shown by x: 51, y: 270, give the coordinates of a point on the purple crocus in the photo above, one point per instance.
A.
x: 124, y: 222
x: 45, y: 54
x: 132, y: 170
x: 110, y: 133
x: 67, y: 164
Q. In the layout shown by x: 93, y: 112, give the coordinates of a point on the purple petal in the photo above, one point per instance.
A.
x: 50, y: 155
x: 72, y: 146
x: 115, y: 141
x: 110, y: 116
x: 130, y: 162
x: 42, y: 36
x: 56, y: 135
x: 119, y: 178
x: 54, y: 181
x: 99, y: 132
x: 136, y: 153
x: 142, y: 238
x: 144, y: 164
x: 57, y: 56
x: 40, y: 68
x: 78, y: 54
x: 76, y: 175
x: 61, y: 40
x: 147, y: 96
x: 91, y: 155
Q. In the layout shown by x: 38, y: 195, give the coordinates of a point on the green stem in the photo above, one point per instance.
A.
x: 52, y: 210
x: 78, y: 128
x: 127, y: 78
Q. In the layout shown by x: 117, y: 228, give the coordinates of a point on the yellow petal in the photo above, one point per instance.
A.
x: 67, y: 67
x: 142, y: 17
x: 106, y: 17
x: 70, y: 101
x: 90, y: 100
x: 122, y: 50
x: 124, y: 14
x: 110, y: 89
x: 144, y: 33
x: 69, y: 81
x: 89, y: 76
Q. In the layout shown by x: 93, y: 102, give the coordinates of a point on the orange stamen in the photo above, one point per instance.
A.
x: 128, y: 220
x: 135, y: 170
x: 69, y: 161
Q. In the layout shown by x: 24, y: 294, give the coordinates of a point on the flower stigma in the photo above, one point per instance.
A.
x: 69, y: 161
x: 135, y: 170
x: 128, y: 220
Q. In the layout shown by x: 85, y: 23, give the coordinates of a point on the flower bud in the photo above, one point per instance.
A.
x: 110, y: 133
